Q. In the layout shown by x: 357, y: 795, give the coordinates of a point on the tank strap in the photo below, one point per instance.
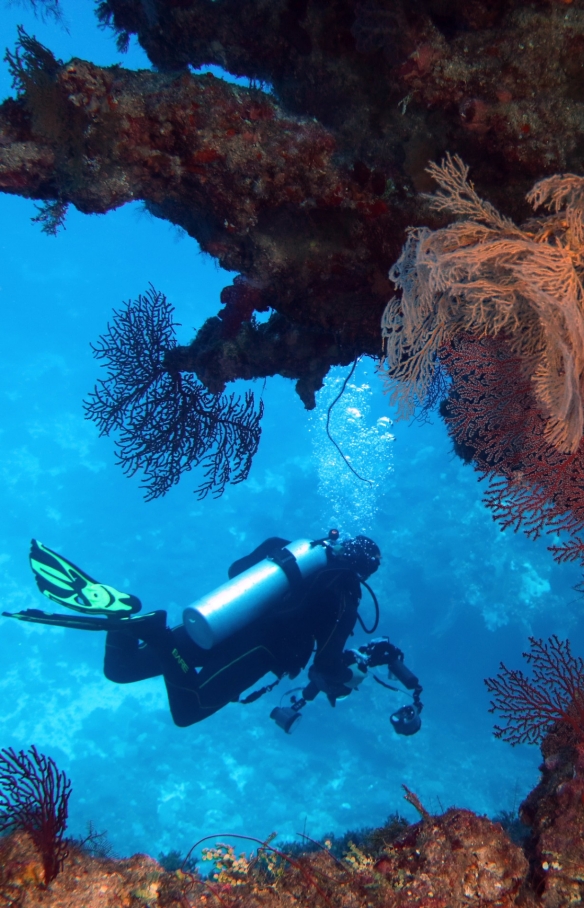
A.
x: 287, y: 561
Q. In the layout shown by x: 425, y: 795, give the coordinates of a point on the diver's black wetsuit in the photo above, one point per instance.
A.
x: 199, y: 682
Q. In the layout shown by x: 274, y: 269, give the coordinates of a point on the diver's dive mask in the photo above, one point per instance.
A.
x: 360, y: 554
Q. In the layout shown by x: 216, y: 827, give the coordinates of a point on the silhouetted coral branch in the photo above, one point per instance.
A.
x: 554, y: 693
x: 34, y: 797
x: 45, y: 10
x: 31, y: 63
x: 166, y: 423
x: 51, y: 216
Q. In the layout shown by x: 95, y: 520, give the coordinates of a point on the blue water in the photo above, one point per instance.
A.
x: 456, y: 594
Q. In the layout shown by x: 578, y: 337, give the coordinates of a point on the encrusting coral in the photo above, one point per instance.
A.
x: 449, y: 861
x: 304, y: 181
x: 485, y: 276
x: 452, y: 860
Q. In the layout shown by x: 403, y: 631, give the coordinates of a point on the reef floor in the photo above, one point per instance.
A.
x: 449, y: 860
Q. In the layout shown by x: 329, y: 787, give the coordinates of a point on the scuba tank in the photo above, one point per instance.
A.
x: 224, y: 611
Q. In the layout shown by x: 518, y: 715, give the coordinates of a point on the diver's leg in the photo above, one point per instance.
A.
x: 137, y: 652
x: 194, y: 698
x: 185, y: 704
x: 146, y: 649
x: 127, y: 659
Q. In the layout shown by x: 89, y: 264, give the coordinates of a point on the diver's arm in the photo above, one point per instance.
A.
x: 335, y: 670
x: 337, y: 610
x: 273, y: 544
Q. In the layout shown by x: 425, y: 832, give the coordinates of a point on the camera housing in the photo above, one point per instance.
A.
x: 286, y: 717
x: 406, y: 721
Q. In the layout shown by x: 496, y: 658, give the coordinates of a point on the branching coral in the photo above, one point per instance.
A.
x: 34, y: 797
x: 46, y: 9
x: 165, y: 422
x: 486, y: 276
x: 30, y: 63
x: 530, y: 707
x: 493, y: 418
x: 51, y: 217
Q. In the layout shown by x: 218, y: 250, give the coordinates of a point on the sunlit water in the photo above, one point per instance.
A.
x: 354, y: 459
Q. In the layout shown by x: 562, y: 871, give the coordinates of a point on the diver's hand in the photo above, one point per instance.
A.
x: 381, y: 652
x: 340, y: 682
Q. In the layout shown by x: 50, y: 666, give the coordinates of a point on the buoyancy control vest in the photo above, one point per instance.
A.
x: 251, y: 594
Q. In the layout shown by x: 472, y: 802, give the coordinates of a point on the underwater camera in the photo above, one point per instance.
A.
x: 286, y: 717
x: 406, y: 721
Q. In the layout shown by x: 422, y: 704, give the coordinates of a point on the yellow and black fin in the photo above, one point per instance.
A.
x: 64, y: 583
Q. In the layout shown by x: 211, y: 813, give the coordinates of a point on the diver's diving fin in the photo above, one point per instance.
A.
x: 78, y: 622
x: 137, y: 625
x: 64, y: 583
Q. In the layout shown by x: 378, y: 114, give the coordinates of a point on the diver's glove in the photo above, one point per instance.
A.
x: 339, y: 683
x: 356, y: 663
x: 380, y: 651
x: 64, y: 583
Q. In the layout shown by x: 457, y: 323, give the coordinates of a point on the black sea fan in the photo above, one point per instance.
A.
x: 165, y: 421
x: 34, y: 797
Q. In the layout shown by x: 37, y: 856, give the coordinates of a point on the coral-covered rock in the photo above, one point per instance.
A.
x: 306, y: 190
x: 84, y: 882
x: 262, y: 192
x: 453, y: 860
x: 555, y: 812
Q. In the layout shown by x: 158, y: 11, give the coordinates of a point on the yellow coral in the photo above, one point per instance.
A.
x: 230, y: 869
x: 357, y: 859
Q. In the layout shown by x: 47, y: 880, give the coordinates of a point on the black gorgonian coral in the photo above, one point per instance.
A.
x: 34, y: 797
x: 165, y: 421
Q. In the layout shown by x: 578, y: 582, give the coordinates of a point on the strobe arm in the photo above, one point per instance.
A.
x: 399, y: 670
x: 405, y: 721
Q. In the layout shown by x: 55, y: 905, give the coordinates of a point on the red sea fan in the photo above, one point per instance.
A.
x: 34, y: 798
x: 501, y: 308
x: 484, y: 275
x: 554, y: 694
x: 494, y: 420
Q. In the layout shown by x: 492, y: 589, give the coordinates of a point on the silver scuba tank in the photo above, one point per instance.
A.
x: 221, y: 613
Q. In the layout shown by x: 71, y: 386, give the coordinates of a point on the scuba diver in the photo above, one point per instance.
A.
x: 280, y: 602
